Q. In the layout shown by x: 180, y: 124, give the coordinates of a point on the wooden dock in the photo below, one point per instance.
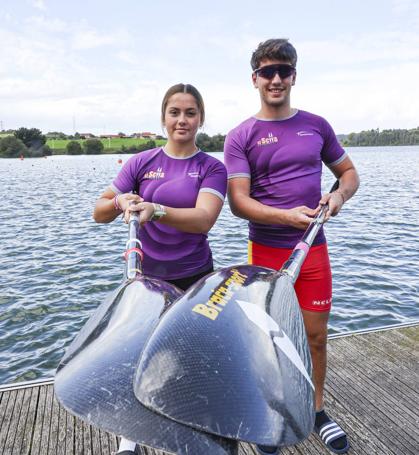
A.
x: 372, y: 391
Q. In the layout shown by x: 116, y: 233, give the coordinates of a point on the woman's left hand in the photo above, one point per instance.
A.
x: 145, y: 209
x: 335, y: 202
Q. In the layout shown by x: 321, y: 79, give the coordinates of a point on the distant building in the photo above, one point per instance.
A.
x: 87, y: 136
x: 148, y: 135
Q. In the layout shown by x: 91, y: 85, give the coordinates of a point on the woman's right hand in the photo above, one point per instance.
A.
x: 124, y: 201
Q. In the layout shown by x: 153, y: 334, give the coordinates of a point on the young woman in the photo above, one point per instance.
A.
x: 178, y: 191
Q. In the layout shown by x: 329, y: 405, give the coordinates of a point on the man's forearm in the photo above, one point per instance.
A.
x: 252, y: 210
x: 348, y: 183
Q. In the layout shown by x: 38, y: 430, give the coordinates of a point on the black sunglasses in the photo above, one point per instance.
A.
x: 269, y: 71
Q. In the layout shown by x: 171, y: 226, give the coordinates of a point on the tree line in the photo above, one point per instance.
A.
x: 375, y: 137
x: 30, y: 142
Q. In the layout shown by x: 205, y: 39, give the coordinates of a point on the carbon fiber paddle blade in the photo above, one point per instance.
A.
x: 231, y: 358
x: 95, y: 378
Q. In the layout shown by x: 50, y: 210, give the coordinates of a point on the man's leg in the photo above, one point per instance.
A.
x: 330, y: 432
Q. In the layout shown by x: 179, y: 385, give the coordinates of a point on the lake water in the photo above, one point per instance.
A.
x: 57, y: 265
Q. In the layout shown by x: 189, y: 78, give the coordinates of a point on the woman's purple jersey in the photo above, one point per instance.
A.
x: 173, y: 182
x: 283, y: 159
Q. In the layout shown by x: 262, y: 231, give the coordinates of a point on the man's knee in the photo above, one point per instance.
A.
x: 317, y: 341
x: 316, y: 329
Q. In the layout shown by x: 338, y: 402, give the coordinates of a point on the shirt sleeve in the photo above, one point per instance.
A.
x: 235, y: 157
x: 126, y: 180
x: 215, y: 180
x: 332, y: 152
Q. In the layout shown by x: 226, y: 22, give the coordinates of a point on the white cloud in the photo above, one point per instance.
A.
x: 354, y: 100
x: 369, y: 48
x: 39, y: 4
x: 404, y: 7
x: 45, y: 24
x: 86, y: 38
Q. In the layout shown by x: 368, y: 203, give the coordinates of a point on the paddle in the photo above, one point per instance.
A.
x: 133, y: 253
x: 236, y: 361
x: 293, y: 265
x: 94, y: 379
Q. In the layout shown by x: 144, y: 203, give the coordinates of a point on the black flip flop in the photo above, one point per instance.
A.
x: 329, y: 432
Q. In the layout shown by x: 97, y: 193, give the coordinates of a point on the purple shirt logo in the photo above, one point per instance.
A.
x: 271, y: 139
x: 304, y: 133
x: 154, y: 175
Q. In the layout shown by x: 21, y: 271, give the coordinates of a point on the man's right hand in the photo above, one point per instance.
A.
x: 300, y: 217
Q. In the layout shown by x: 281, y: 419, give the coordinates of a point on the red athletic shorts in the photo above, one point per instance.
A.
x: 314, y: 284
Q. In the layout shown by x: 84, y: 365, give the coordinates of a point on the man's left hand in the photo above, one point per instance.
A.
x: 335, y: 202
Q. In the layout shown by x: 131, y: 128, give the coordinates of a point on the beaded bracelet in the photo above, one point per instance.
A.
x: 116, y: 203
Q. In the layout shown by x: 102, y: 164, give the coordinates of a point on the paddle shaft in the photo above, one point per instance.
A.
x: 294, y: 263
x: 133, y: 253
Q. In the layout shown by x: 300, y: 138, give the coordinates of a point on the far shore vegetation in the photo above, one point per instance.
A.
x: 31, y: 142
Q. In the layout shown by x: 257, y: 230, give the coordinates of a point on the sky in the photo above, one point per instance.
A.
x: 103, y: 66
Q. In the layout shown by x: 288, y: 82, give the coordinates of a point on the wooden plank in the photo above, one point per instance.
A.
x: 311, y: 446
x: 246, y: 449
x: 45, y: 445
x: 39, y: 421
x: 78, y: 439
x: 62, y: 429
x: 20, y: 422
x: 87, y: 439
x: 6, y: 408
x: 55, y: 426
x: 30, y: 422
x: 3, y: 405
x: 14, y: 418
x: 105, y: 443
x: 113, y: 441
x: 70, y: 426
x: 95, y: 435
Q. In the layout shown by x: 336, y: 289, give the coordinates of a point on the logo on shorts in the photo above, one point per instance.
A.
x: 322, y: 302
x: 305, y: 133
x: 155, y: 175
x: 271, y: 139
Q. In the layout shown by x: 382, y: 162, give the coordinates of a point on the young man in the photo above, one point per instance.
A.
x: 274, y: 163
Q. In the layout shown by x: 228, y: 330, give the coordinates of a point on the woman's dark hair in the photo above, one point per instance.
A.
x: 183, y: 88
x: 274, y: 49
